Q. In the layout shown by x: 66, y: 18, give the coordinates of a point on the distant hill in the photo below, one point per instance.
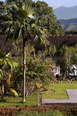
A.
x: 66, y: 12
x: 70, y: 24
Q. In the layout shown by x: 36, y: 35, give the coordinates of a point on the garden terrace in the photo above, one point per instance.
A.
x: 59, y: 41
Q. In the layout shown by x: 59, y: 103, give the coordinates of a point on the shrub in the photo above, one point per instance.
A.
x: 37, y: 71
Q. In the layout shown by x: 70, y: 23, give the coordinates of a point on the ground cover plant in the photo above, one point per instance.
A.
x: 36, y: 113
x: 54, y: 110
x: 60, y: 90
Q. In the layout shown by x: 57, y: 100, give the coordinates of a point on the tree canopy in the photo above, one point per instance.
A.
x: 44, y: 15
x: 45, y: 18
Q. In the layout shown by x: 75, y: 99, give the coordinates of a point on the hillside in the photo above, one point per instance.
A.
x: 66, y: 12
x: 70, y: 24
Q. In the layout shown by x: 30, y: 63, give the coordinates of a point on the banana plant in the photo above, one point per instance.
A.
x: 5, y: 64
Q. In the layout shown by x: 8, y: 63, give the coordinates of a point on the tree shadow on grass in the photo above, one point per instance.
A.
x: 3, y: 101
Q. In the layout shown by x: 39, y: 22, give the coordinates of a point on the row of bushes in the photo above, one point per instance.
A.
x: 56, y: 110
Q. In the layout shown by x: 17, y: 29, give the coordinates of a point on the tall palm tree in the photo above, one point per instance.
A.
x: 25, y: 13
x: 19, y: 26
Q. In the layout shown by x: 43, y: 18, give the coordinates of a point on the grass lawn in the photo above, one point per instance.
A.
x: 60, y: 92
x: 33, y: 99
x: 17, y: 101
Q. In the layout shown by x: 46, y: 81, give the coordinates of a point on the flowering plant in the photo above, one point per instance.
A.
x: 39, y: 71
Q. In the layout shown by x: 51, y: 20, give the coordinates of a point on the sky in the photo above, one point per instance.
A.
x: 58, y: 3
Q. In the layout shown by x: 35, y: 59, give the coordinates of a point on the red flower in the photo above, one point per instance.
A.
x: 59, y: 106
x: 43, y: 110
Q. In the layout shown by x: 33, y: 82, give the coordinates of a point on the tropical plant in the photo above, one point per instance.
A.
x: 66, y: 58
x: 46, y: 19
x: 52, y: 50
x: 6, y: 64
x: 19, y: 26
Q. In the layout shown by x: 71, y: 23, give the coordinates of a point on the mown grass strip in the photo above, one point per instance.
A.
x: 60, y: 90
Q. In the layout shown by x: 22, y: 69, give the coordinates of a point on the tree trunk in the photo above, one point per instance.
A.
x: 2, y: 89
x: 64, y: 77
x: 24, y: 69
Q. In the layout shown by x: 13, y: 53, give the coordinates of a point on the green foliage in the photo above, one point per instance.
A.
x: 40, y: 37
x: 6, y: 63
x: 38, y: 70
x: 68, y: 57
x: 21, y: 10
x: 36, y: 113
x: 17, y: 25
x: 72, y: 32
x: 52, y: 50
x: 46, y: 19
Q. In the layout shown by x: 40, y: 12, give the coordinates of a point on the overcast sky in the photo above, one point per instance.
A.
x: 58, y: 3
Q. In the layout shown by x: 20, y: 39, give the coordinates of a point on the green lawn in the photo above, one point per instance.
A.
x: 17, y: 101
x: 33, y: 99
x: 60, y: 92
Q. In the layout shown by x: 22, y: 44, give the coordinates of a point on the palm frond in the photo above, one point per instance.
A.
x: 40, y: 34
x: 14, y: 92
x: 14, y: 5
x: 20, y: 33
x: 1, y: 73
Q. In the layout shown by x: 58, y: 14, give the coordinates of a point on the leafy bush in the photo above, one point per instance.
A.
x: 37, y: 71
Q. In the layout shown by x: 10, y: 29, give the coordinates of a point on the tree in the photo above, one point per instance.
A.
x: 52, y: 50
x: 72, y: 32
x: 65, y: 54
x: 19, y: 27
x: 45, y: 18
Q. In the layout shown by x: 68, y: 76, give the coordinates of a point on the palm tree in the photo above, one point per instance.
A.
x: 24, y: 14
x: 19, y: 27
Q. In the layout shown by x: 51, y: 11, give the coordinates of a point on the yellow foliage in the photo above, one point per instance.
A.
x: 38, y: 85
x: 8, y: 79
x: 14, y: 92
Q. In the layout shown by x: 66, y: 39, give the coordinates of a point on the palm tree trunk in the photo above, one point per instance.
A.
x: 24, y: 69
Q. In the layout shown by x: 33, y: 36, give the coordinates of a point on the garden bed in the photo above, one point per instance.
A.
x: 57, y: 110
